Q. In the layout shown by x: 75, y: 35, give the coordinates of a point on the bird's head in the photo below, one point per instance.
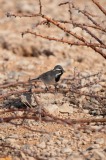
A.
x: 59, y: 68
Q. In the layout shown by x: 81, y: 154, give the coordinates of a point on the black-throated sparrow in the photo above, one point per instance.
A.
x: 50, y: 77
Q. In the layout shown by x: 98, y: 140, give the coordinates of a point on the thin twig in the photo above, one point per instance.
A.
x: 63, y: 40
x: 99, y: 6
x: 58, y: 120
x: 40, y: 5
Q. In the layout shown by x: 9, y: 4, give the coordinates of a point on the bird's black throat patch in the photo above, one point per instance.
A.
x: 57, y: 78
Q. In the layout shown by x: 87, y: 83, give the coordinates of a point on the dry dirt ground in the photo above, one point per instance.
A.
x: 27, y: 57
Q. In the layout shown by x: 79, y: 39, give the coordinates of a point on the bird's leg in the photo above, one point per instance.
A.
x: 30, y: 88
x: 56, y: 88
x: 46, y: 88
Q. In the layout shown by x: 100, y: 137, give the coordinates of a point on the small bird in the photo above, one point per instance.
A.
x: 50, y: 77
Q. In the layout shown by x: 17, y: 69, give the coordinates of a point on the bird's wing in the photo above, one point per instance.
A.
x: 34, y: 79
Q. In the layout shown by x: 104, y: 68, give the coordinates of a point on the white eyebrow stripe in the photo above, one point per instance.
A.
x: 58, y: 69
x: 58, y: 74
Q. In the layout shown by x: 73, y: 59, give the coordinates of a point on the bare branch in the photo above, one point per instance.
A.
x: 99, y: 6
x: 40, y: 4
x: 63, y: 40
x: 86, y: 14
x: 81, y: 39
x: 60, y: 4
x: 58, y: 120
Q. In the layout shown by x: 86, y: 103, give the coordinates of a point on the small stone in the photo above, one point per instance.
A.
x: 52, y: 158
x: 51, y: 142
x: 53, y: 153
x: 99, y: 155
x: 65, y: 141
x: 96, y: 146
x: 96, y: 87
x: 31, y: 67
x: 100, y: 141
x: 66, y: 150
x: 86, y: 111
x: 52, y: 109
x: 66, y: 108
x: 58, y: 142
x: 42, y: 145
x: 13, y: 136
x: 75, y: 156
x: 23, y: 155
x: 2, y: 137
x: 57, y: 133
x: 11, y: 141
x: 96, y: 127
x: 30, y: 158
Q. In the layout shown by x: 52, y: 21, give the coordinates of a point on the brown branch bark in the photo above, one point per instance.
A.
x: 99, y: 6
x: 37, y: 91
x: 63, y: 28
x: 83, y: 24
x: 40, y: 5
x: 63, y: 40
x: 55, y: 119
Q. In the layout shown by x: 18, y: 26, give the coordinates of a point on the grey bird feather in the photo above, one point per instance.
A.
x: 50, y: 77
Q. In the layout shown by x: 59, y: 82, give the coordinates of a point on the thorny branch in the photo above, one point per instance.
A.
x: 64, y: 40
x: 53, y: 118
x: 97, y: 44
x: 74, y: 88
x: 74, y: 81
x: 99, y: 6
x: 40, y: 11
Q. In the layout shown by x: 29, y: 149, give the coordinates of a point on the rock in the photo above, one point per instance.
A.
x: 99, y: 155
x: 11, y: 141
x: 30, y: 158
x: 86, y: 111
x: 57, y: 133
x: 46, y: 138
x: 65, y: 141
x: 13, y: 136
x: 96, y: 146
x: 31, y: 67
x: 52, y: 109
x: 74, y: 158
x: 23, y: 155
x: 96, y: 127
x: 96, y: 87
x: 52, y: 158
x: 2, y: 137
x: 66, y: 150
x: 51, y: 142
x: 41, y: 145
x: 53, y: 153
x: 58, y: 142
x: 100, y: 141
x: 66, y: 108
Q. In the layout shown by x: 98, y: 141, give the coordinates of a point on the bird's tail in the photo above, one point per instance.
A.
x: 35, y: 79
